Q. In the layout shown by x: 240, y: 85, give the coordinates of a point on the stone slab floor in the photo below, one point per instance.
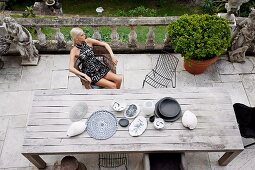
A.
x: 17, y: 84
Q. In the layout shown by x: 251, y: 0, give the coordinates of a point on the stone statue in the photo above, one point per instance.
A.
x: 60, y: 38
x: 232, y: 8
x: 242, y: 38
x: 21, y: 37
x: 48, y: 7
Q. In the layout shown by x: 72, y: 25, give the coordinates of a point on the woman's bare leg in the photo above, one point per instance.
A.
x: 117, y: 79
x: 106, y: 83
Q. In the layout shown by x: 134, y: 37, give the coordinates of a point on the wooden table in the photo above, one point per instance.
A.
x: 217, y: 129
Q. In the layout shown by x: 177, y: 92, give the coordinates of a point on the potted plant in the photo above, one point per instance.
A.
x: 200, y: 39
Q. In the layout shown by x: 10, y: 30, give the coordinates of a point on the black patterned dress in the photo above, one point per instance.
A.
x: 91, y: 66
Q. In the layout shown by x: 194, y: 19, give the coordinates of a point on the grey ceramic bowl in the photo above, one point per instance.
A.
x: 78, y: 111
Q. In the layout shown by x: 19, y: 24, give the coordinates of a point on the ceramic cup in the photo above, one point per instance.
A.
x: 148, y: 108
x: 159, y: 123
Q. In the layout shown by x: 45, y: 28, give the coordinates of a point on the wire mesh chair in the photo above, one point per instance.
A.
x: 163, y: 73
x: 113, y: 160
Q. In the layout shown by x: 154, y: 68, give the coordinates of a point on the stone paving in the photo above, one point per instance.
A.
x: 17, y: 84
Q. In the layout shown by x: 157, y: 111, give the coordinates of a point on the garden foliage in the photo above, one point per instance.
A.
x: 199, y: 36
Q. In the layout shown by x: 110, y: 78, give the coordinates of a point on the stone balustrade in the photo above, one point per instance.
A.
x: 60, y: 44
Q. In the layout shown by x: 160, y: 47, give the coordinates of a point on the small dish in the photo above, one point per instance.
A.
x: 118, y: 105
x: 152, y: 118
x: 132, y: 111
x: 123, y: 122
x: 159, y: 123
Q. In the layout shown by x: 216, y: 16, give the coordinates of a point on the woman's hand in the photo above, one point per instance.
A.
x: 114, y: 60
x: 88, y: 78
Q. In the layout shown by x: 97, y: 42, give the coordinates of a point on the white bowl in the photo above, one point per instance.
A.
x: 159, y: 123
x: 118, y: 105
x: 78, y: 111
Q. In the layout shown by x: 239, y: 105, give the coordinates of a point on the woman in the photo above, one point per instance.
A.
x: 92, y: 69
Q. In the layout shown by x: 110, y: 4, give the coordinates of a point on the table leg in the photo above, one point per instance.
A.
x: 228, y: 157
x: 36, y: 160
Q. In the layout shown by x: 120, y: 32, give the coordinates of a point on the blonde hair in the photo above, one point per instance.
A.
x: 74, y: 32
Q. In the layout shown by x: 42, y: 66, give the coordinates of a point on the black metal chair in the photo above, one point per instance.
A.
x: 163, y: 73
x: 245, y: 116
x: 113, y: 160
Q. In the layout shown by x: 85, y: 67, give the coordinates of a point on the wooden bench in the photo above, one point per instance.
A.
x: 48, y: 121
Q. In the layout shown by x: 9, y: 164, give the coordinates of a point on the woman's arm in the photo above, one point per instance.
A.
x: 72, y: 66
x: 104, y: 44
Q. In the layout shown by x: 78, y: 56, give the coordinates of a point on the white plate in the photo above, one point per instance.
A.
x: 118, y: 105
x: 138, y: 126
x: 132, y: 111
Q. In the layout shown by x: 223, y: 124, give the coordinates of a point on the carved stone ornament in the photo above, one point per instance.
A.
x: 232, y: 7
x: 48, y: 7
x: 22, y: 39
x: 60, y: 38
x: 4, y: 47
x: 242, y: 38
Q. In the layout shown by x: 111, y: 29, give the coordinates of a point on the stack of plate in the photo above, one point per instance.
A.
x: 168, y: 109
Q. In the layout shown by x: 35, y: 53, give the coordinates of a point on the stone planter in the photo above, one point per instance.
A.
x: 198, y: 66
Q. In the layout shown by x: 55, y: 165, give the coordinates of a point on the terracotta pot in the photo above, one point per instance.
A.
x: 198, y: 66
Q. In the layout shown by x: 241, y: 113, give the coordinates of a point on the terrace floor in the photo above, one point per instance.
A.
x: 17, y: 84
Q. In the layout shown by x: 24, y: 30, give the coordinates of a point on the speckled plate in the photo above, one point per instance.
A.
x: 132, y: 111
x: 102, y: 125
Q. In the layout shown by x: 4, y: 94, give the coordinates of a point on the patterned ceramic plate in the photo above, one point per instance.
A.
x: 102, y: 125
x: 138, y: 126
x: 132, y: 111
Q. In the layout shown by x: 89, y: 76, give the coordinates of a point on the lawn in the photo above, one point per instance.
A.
x: 106, y: 32
x: 118, y: 8
x: 111, y: 7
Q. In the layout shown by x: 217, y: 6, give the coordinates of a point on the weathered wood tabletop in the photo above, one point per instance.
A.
x: 217, y: 129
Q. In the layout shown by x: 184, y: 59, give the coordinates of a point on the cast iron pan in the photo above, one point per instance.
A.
x: 169, y: 107
x: 166, y: 118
